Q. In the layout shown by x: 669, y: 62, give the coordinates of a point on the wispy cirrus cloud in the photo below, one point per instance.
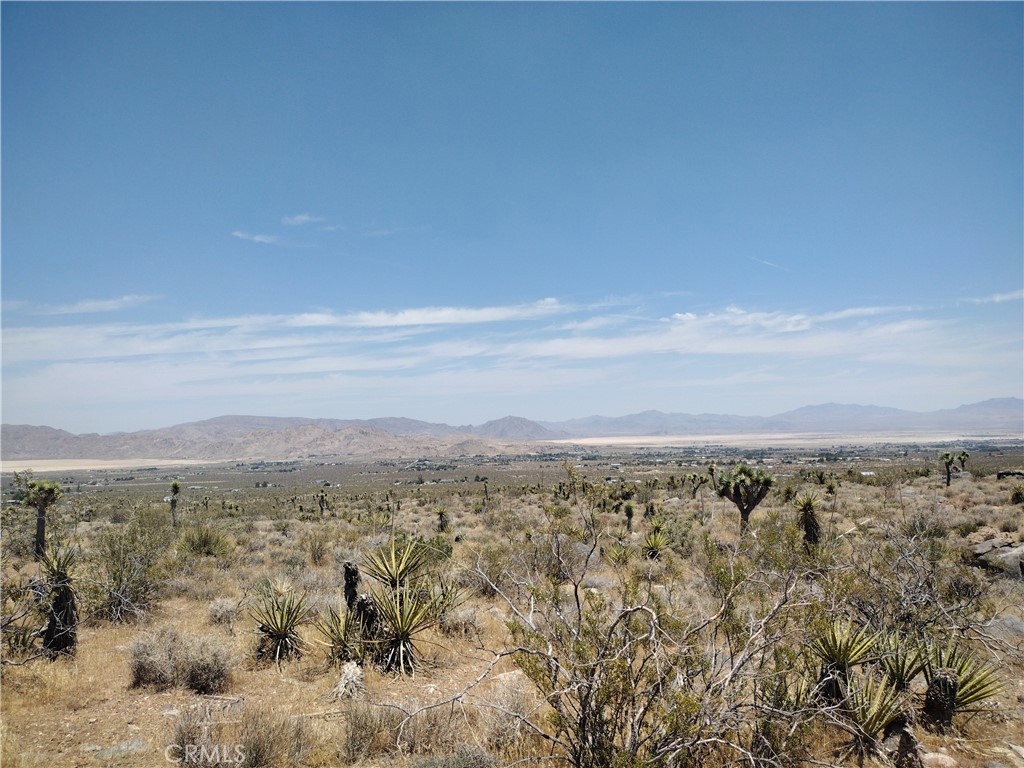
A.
x: 457, y: 315
x: 301, y: 219
x: 771, y: 264
x: 262, y: 239
x: 548, y: 348
x: 997, y: 298
x: 91, y: 306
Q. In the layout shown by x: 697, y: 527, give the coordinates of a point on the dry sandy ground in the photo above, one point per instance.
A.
x: 68, y: 465
x: 779, y: 440
x: 790, y: 439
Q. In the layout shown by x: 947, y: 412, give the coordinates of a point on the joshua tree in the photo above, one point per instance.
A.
x: 175, y: 490
x: 962, y: 457
x: 746, y: 488
x: 947, y: 460
x: 806, y: 507
x: 351, y: 584
x: 697, y: 482
x: 443, y: 520
x: 40, y: 495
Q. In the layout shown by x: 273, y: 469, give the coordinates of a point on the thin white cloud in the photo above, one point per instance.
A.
x: 997, y: 298
x: 771, y: 264
x: 91, y: 306
x: 457, y: 315
x: 381, y: 232
x: 300, y: 219
x: 262, y: 239
x: 434, y: 354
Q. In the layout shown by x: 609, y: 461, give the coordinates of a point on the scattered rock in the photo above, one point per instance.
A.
x: 938, y: 760
x: 124, y: 748
x: 1008, y: 628
x: 986, y: 546
x: 1009, y: 473
x: 1007, y: 560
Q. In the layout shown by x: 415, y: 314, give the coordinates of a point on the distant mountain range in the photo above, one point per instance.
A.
x: 244, y: 437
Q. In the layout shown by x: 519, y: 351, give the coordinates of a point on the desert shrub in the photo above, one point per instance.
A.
x: 223, y: 610
x: 464, y: 756
x: 924, y: 527
x: 189, y: 729
x: 558, y: 557
x: 490, y: 573
x: 127, y: 568
x: 461, y: 622
x: 203, y: 540
x: 317, y: 548
x: 370, y: 732
x: 20, y: 605
x: 433, y: 731
x: 510, y: 703
x: 914, y: 586
x: 270, y: 739
x: 967, y: 528
x: 167, y: 658
x: 260, y: 739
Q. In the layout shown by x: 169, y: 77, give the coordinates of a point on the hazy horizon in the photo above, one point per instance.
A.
x: 456, y: 212
x: 527, y: 417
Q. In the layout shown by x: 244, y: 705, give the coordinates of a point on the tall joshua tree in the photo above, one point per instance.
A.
x: 746, y: 488
x: 175, y: 490
x: 806, y: 507
x: 947, y: 460
x: 40, y: 495
x: 962, y: 457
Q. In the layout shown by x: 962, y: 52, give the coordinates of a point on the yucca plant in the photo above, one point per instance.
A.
x: 397, y: 567
x: 402, y: 616
x: 278, y: 617
x: 342, y: 635
x: 977, y: 680
x: 619, y: 554
x: 840, y: 647
x: 654, y: 544
x: 60, y: 636
x: 901, y: 660
x: 446, y: 596
x: 871, y: 704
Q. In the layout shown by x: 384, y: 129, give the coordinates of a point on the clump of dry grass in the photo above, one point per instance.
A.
x: 223, y: 610
x: 167, y: 658
x: 260, y: 739
x: 369, y: 732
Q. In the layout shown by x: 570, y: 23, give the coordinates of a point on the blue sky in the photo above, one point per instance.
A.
x: 456, y: 212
